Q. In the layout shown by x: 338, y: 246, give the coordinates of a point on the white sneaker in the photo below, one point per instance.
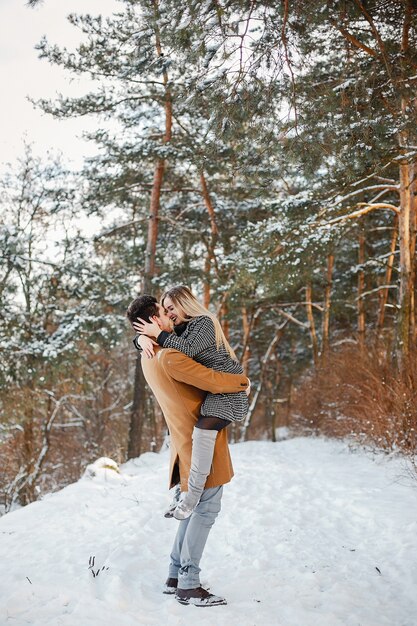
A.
x: 185, y: 507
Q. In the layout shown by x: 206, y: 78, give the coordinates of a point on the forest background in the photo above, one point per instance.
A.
x: 263, y: 153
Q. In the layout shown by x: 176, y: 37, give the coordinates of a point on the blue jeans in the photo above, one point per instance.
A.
x: 191, y: 538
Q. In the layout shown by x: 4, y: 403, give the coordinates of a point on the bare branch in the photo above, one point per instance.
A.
x: 376, y: 34
x: 291, y: 318
x: 367, y: 209
x: 380, y: 288
x: 354, y: 40
x: 370, y: 188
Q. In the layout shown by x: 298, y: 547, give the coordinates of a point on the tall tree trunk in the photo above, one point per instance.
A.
x: 406, y: 286
x: 413, y: 234
x: 383, y: 293
x: 312, y: 326
x: 224, y: 310
x: 326, y: 308
x: 273, y: 400
x: 406, y: 216
x: 27, y: 492
x: 246, y: 332
x: 210, y: 258
x: 361, y: 289
x: 134, y: 448
x: 138, y: 414
x: 152, y: 236
x: 209, y: 205
x: 207, y: 281
x: 289, y: 403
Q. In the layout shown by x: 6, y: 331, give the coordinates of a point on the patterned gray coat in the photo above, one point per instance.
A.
x: 198, y: 341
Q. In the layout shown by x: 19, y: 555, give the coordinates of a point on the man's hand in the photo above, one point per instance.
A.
x: 147, y: 328
x: 147, y: 344
x: 247, y: 390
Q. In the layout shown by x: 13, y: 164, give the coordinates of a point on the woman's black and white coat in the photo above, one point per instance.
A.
x: 198, y: 341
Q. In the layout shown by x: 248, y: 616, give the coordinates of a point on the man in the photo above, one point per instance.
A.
x: 179, y: 385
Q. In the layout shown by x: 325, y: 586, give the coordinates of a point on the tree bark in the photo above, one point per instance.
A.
x: 246, y: 332
x: 274, y: 402
x: 361, y: 289
x: 210, y: 258
x: 404, y: 224
x: 326, y: 307
x: 413, y: 234
x: 312, y: 326
x: 138, y: 412
x: 223, y: 318
x: 207, y: 281
x: 383, y: 294
x: 26, y: 493
x: 152, y: 236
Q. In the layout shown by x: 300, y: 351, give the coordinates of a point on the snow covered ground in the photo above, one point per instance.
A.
x: 310, y: 533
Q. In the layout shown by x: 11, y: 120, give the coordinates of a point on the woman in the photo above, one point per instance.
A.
x: 198, y: 334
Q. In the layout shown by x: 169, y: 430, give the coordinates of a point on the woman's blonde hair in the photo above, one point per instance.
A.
x: 190, y: 307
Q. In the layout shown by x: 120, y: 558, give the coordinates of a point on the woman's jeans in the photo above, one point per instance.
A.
x: 191, y: 538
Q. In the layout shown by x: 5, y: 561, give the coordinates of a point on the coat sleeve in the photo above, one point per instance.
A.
x: 183, y: 369
x: 199, y: 336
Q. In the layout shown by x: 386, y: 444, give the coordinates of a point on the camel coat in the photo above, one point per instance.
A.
x: 180, y: 385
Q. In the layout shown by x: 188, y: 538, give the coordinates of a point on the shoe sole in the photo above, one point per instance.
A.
x: 188, y: 603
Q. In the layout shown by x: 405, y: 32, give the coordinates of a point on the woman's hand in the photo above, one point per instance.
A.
x: 147, y: 328
x: 147, y: 344
x: 247, y: 390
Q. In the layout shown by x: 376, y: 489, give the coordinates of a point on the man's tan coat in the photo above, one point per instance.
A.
x: 180, y: 385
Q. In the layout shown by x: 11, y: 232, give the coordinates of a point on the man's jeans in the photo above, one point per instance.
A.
x: 191, y: 538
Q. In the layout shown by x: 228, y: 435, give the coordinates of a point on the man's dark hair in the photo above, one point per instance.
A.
x: 144, y: 307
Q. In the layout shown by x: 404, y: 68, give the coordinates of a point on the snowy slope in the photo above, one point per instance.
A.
x: 310, y: 533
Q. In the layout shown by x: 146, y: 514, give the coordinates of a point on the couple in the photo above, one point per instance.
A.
x: 180, y: 367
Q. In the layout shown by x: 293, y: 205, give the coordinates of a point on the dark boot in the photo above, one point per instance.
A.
x: 170, y: 586
x: 198, y: 597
